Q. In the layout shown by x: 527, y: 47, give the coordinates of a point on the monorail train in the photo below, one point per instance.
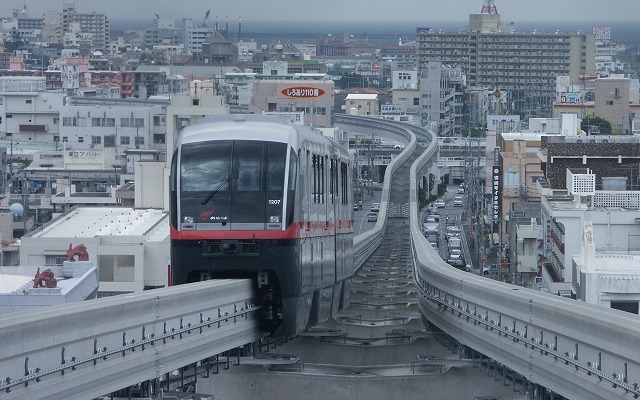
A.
x: 266, y: 201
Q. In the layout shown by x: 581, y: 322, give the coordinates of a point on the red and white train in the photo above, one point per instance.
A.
x: 266, y: 201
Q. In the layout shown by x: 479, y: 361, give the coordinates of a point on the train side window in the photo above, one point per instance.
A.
x: 293, y: 170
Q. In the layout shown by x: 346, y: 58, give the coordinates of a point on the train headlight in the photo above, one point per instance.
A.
x: 274, y: 219
x: 188, y: 219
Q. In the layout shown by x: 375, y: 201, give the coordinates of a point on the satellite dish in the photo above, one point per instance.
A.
x: 17, y: 209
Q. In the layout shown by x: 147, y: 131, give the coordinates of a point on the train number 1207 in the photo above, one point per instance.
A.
x: 274, y: 201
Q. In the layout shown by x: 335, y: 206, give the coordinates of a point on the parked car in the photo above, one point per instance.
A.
x: 372, y: 217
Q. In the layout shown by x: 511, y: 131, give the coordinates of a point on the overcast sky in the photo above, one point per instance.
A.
x: 346, y: 10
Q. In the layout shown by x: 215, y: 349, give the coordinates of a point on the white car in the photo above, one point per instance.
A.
x: 455, y: 253
x: 440, y: 203
x: 457, y: 201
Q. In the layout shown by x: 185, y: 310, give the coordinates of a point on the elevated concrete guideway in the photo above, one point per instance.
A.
x: 578, y: 350
x: 92, y: 348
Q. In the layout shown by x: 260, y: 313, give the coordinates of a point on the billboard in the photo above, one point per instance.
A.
x: 302, y: 92
x: 496, y: 194
x: 70, y: 76
x: 602, y: 32
x: 570, y: 98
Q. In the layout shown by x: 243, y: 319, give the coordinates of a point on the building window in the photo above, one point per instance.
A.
x: 95, y: 140
x: 110, y: 122
x: 609, y: 102
x: 9, y: 115
x: 139, y: 140
x: 29, y: 101
x: 51, y: 260
x: 56, y: 120
x: 628, y: 306
x: 416, y: 101
x: 81, y: 139
x: 124, y: 140
x: 139, y: 122
x: 124, y: 122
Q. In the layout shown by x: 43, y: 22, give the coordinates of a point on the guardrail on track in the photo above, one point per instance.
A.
x: 91, y: 348
x: 578, y: 350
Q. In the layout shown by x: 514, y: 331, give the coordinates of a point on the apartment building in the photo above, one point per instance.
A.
x: 441, y: 91
x: 613, y: 217
x: 523, y: 64
x: 28, y: 112
x: 96, y: 24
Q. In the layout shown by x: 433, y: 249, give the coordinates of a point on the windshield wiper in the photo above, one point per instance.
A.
x: 215, y: 190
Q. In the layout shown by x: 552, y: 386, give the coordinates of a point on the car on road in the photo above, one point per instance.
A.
x: 372, y: 217
x: 375, y: 207
x: 435, y: 216
x: 440, y: 203
x: 455, y: 253
x: 461, y: 189
x: 457, y: 201
x: 459, y: 263
x: 430, y: 220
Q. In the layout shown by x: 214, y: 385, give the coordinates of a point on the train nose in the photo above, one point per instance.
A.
x: 229, y: 246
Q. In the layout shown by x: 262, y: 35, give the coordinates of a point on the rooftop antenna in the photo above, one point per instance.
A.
x: 489, y: 7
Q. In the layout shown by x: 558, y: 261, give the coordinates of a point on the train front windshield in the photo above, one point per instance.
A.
x: 235, y: 184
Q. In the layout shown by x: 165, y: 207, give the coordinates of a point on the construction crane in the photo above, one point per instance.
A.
x: 489, y: 7
x: 206, y: 18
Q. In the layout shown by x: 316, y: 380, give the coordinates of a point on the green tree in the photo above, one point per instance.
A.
x: 350, y: 80
x: 12, y: 45
x: 596, y: 125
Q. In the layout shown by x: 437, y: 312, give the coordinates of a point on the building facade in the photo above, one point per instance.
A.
x: 313, y: 97
x: 27, y: 112
x: 96, y: 24
x: 524, y: 64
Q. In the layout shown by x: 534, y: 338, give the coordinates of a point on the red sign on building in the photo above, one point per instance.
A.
x: 303, y: 92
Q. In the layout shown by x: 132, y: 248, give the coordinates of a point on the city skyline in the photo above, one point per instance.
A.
x: 333, y: 10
